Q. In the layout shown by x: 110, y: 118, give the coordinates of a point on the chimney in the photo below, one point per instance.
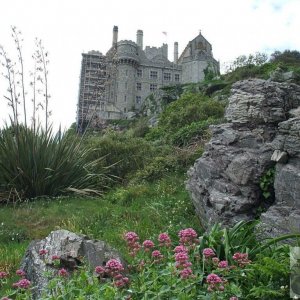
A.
x: 176, y: 53
x: 139, y: 38
x: 115, y: 35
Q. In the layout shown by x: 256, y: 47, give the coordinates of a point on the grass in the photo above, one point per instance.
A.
x: 147, y: 208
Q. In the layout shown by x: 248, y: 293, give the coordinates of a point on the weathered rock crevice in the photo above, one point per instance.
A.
x: 263, y: 123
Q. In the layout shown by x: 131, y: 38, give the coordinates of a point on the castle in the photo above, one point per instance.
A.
x: 116, y: 84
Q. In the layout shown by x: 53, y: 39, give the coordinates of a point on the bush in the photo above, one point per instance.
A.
x: 36, y: 163
x: 124, y: 154
x: 193, y: 132
x: 188, y: 109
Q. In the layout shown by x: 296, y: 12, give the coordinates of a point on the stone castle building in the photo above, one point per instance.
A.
x: 116, y: 84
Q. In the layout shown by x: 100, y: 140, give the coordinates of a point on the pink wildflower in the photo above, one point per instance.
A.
x: 241, y: 259
x: 187, y: 236
x: 113, y: 265
x: 234, y: 298
x: 131, y: 237
x: 208, y: 252
x: 22, y: 284
x: 223, y: 264
x: 180, y: 248
x: 55, y: 257
x: 186, y: 273
x: 99, y: 270
x: 6, y: 298
x: 121, y: 281
x: 181, y: 257
x: 20, y: 273
x: 215, y: 260
x: 42, y: 252
x: 164, y: 239
x: 3, y: 275
x: 213, y: 279
x: 63, y: 273
x: 148, y: 245
x: 132, y: 242
x: 157, y: 256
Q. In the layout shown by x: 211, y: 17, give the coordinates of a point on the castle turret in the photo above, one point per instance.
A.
x: 175, y: 52
x: 115, y: 35
x: 139, y: 38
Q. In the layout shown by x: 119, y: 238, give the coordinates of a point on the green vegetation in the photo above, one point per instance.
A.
x: 267, y: 183
x: 35, y: 163
x: 140, y: 171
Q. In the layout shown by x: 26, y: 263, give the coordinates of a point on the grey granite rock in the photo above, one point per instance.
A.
x: 72, y: 249
x: 224, y: 183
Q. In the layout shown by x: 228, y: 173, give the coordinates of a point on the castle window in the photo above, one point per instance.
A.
x: 138, y: 99
x: 125, y: 109
x: 126, y: 72
x: 138, y: 86
x: 177, y: 77
x: 125, y: 98
x: 126, y: 85
x: 167, y: 76
x: 153, y: 75
x: 139, y: 73
x: 153, y: 87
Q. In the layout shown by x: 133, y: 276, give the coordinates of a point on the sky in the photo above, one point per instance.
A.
x: 71, y: 27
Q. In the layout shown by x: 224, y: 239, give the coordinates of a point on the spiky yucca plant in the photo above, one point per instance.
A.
x: 37, y: 163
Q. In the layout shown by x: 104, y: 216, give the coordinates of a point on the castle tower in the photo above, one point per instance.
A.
x: 176, y: 53
x: 139, y: 38
x: 115, y: 36
x: 127, y: 61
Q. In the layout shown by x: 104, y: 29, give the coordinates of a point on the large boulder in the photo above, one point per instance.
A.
x: 224, y: 183
x: 73, y: 251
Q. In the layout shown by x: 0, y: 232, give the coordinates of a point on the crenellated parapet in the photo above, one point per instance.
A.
x: 126, y: 53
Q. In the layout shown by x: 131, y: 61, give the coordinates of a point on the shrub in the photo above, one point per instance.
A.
x: 189, y: 108
x: 193, y: 131
x: 36, y: 163
x: 124, y: 154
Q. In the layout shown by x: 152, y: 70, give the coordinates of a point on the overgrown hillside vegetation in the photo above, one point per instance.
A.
x: 135, y: 171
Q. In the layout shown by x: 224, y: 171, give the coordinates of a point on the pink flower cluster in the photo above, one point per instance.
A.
x: 100, y: 270
x: 234, y: 298
x: 223, y: 264
x: 148, y: 245
x: 114, y: 266
x: 22, y: 284
x: 241, y: 259
x: 215, y: 283
x: 180, y: 248
x: 182, y: 262
x: 6, y: 298
x: 21, y: 273
x: 121, y: 281
x: 188, y: 236
x: 164, y: 240
x: 55, y: 257
x: 132, y: 242
x: 42, y: 252
x: 3, y: 275
x: 63, y: 272
x: 156, y: 254
x: 208, y: 253
x: 113, y: 269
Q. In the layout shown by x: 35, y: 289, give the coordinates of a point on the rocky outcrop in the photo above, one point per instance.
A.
x: 72, y: 250
x: 225, y: 182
